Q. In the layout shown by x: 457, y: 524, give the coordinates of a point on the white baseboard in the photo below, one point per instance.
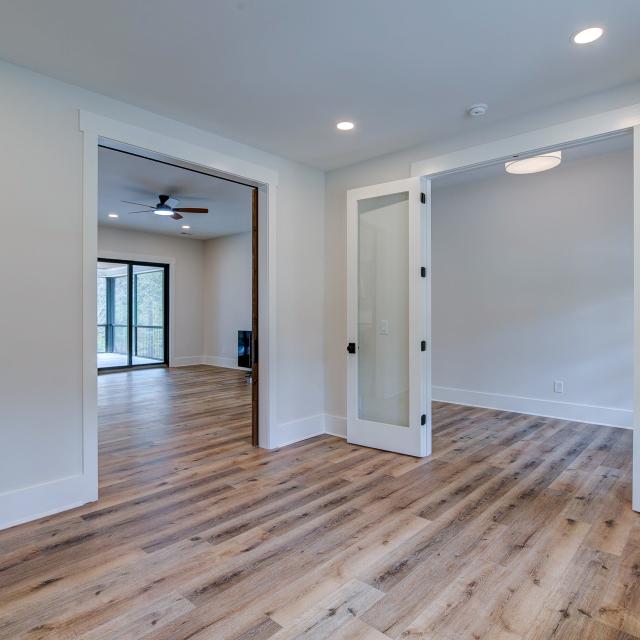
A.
x: 213, y: 361
x: 296, y: 430
x: 335, y: 425
x: 39, y: 501
x: 186, y: 361
x: 223, y: 361
x: 607, y: 416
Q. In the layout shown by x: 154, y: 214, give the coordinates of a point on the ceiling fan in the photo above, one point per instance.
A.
x: 167, y: 207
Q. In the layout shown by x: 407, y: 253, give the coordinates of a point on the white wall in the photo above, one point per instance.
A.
x: 187, y: 256
x: 41, y: 272
x: 395, y: 166
x: 533, y: 282
x: 227, y: 296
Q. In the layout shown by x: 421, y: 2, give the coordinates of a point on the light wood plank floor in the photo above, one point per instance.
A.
x: 517, y: 528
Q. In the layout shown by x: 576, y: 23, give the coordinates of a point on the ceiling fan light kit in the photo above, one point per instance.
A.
x: 167, y: 207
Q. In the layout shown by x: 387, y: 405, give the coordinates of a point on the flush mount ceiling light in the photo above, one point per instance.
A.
x: 586, y: 36
x: 113, y: 215
x: 186, y: 226
x: 543, y: 162
x: 345, y: 126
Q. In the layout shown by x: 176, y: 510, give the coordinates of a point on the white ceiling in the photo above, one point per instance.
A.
x: 279, y: 74
x: 122, y: 176
x: 590, y: 149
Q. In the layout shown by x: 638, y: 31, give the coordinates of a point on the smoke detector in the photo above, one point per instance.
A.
x: 476, y: 110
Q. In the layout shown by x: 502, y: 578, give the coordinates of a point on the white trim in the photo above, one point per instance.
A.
x: 540, y: 139
x: 95, y: 127
x: 606, y: 416
x: 223, y: 361
x: 636, y: 319
x: 335, y: 425
x: 296, y: 430
x: 186, y: 361
x: 31, y: 503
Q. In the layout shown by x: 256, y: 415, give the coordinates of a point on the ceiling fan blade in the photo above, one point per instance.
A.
x: 191, y: 210
x: 177, y: 216
x: 139, y: 204
x: 143, y: 211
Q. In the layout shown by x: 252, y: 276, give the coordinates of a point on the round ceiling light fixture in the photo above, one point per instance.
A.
x: 476, y: 110
x: 113, y: 215
x: 588, y: 35
x: 345, y: 125
x: 163, y: 210
x: 543, y: 162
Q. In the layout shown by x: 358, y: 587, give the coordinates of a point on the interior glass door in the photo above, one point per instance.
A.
x: 148, y: 315
x: 388, y: 365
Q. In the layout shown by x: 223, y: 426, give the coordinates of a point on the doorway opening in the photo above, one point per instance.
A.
x: 133, y: 314
x: 177, y: 292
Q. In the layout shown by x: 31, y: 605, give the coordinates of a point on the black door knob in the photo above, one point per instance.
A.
x: 351, y: 347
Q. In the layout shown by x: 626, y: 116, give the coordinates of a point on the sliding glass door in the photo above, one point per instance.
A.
x: 148, y: 314
x: 132, y: 314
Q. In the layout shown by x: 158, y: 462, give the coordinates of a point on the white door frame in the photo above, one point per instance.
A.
x: 581, y: 130
x: 96, y: 127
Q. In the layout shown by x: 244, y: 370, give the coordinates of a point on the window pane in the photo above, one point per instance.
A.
x: 102, y: 300
x: 120, y: 300
x: 148, y: 317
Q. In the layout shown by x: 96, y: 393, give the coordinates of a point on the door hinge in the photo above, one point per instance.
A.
x: 351, y: 347
x: 423, y: 197
x: 423, y: 345
x: 423, y: 272
x: 423, y: 419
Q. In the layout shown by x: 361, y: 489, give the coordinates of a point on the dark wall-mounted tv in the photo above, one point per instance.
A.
x: 244, y: 349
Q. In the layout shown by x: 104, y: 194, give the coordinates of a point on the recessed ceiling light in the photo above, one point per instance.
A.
x: 186, y: 226
x: 591, y: 34
x: 345, y: 126
x: 113, y: 215
x: 543, y: 162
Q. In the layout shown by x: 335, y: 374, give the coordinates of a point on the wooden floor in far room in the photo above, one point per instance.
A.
x: 517, y: 528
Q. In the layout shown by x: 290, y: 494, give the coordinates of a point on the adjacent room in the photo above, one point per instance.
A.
x: 174, y: 309
x: 532, y: 290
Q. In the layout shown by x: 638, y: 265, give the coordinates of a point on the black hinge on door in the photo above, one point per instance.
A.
x: 423, y: 419
x: 351, y: 347
x: 423, y: 345
x: 423, y: 272
x: 423, y: 198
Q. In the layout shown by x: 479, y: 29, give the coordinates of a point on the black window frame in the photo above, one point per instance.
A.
x: 131, y: 325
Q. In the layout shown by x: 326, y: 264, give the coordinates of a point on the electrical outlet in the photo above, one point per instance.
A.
x: 558, y: 386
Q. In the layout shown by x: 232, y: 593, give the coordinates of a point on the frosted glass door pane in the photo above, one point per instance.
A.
x: 383, y: 309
